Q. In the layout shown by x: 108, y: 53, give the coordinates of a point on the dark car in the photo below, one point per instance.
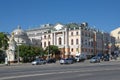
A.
x: 51, y: 61
x: 106, y: 57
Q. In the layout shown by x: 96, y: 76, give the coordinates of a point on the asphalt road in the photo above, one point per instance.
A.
x: 77, y: 71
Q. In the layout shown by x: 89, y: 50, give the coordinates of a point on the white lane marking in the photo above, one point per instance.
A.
x: 50, y: 73
x: 32, y: 75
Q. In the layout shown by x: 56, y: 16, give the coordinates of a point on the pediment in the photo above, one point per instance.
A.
x: 59, y: 26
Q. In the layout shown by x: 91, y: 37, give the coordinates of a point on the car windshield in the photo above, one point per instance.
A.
x: 94, y: 58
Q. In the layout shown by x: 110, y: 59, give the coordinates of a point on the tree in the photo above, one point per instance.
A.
x: 29, y: 53
x: 52, y: 50
x: 3, y: 45
x: 3, y: 41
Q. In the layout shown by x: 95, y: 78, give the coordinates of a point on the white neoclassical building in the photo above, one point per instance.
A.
x: 71, y: 38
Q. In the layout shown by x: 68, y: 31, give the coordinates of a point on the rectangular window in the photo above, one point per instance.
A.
x: 72, y: 42
x: 44, y: 44
x: 71, y: 33
x: 76, y: 41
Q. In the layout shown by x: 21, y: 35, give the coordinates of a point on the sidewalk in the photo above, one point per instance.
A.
x: 118, y: 59
x: 14, y: 64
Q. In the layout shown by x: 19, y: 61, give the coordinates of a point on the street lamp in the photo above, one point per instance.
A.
x: 48, y: 52
x: 94, y: 42
x: 18, y: 52
x: 102, y: 42
x: 48, y: 49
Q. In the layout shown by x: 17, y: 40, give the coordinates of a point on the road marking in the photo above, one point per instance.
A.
x: 58, y: 72
x: 32, y: 75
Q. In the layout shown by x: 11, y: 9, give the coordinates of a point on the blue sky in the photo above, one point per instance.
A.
x: 103, y: 14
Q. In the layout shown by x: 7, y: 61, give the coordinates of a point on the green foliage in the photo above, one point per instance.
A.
x: 52, y: 49
x: 2, y: 56
x: 3, y: 40
x: 28, y: 53
x: 3, y: 45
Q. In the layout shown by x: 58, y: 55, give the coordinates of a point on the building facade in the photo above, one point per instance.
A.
x: 71, y: 38
x: 116, y: 33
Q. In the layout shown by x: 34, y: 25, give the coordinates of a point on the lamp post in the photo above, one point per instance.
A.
x: 94, y: 42
x: 102, y: 43
x: 18, y: 52
x: 48, y: 52
x: 48, y: 49
x: 109, y: 48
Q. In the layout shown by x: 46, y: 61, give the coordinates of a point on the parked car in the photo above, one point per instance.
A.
x: 38, y: 62
x: 51, y: 61
x: 95, y: 60
x: 66, y: 61
x: 80, y: 57
x: 106, y: 57
x: 101, y: 55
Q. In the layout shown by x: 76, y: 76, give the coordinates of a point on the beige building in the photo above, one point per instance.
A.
x: 116, y: 33
x: 72, y: 38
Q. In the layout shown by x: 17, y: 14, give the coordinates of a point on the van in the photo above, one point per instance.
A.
x: 80, y: 57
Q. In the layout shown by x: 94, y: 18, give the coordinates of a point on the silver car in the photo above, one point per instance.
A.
x: 38, y: 62
x: 66, y: 61
x: 95, y: 60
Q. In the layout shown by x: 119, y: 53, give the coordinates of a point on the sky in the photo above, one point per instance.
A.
x: 101, y: 14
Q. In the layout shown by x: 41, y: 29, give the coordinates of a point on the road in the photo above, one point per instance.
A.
x: 77, y: 71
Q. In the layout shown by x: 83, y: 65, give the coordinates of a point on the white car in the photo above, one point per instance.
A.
x: 38, y: 61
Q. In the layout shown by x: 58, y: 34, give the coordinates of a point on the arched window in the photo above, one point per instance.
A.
x: 60, y: 41
x: 72, y: 50
x: 76, y: 33
x: 44, y: 37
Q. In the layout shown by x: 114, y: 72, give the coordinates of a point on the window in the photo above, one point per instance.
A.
x: 48, y: 43
x: 86, y: 34
x: 44, y: 37
x: 89, y: 43
x: 76, y: 33
x: 44, y: 44
x: 71, y: 33
x: 76, y: 41
x: 48, y: 36
x: 71, y: 41
x: 82, y: 33
x: 41, y: 44
x: 72, y: 50
x: 60, y: 41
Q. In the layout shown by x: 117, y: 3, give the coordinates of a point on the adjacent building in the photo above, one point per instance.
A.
x: 116, y: 33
